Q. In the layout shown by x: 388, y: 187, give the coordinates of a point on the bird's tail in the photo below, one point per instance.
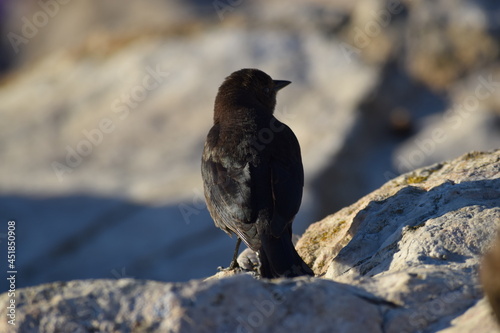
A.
x: 278, y: 258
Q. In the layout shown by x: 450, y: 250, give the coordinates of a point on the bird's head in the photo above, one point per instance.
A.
x: 249, y: 88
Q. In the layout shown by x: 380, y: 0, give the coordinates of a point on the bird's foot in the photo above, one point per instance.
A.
x: 228, y: 271
x: 234, y: 266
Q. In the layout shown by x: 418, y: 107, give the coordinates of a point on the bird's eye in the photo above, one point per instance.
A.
x: 266, y: 90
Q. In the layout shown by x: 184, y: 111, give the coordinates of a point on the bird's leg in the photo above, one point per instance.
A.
x: 234, y: 263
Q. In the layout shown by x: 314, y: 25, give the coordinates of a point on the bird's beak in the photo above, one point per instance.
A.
x: 279, y: 84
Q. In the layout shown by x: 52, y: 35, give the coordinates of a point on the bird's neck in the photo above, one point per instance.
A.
x: 244, y: 121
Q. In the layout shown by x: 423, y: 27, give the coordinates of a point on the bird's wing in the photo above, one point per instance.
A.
x: 287, y: 178
x: 227, y: 184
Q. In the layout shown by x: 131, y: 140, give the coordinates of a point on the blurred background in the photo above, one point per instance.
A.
x: 105, y: 105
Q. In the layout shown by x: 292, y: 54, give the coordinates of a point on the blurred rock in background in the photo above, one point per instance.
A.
x: 105, y: 107
x: 489, y: 275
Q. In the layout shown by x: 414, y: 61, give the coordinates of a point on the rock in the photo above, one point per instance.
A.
x: 464, y: 187
x: 416, y: 241
x: 235, y: 304
x: 402, y: 259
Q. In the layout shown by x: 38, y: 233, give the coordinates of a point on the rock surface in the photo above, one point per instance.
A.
x: 424, y: 230
x: 419, y: 204
x: 234, y: 304
x: 402, y: 259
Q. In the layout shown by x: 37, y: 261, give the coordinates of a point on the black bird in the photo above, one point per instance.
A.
x: 252, y: 172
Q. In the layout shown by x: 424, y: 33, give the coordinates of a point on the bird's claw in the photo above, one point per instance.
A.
x: 230, y: 268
